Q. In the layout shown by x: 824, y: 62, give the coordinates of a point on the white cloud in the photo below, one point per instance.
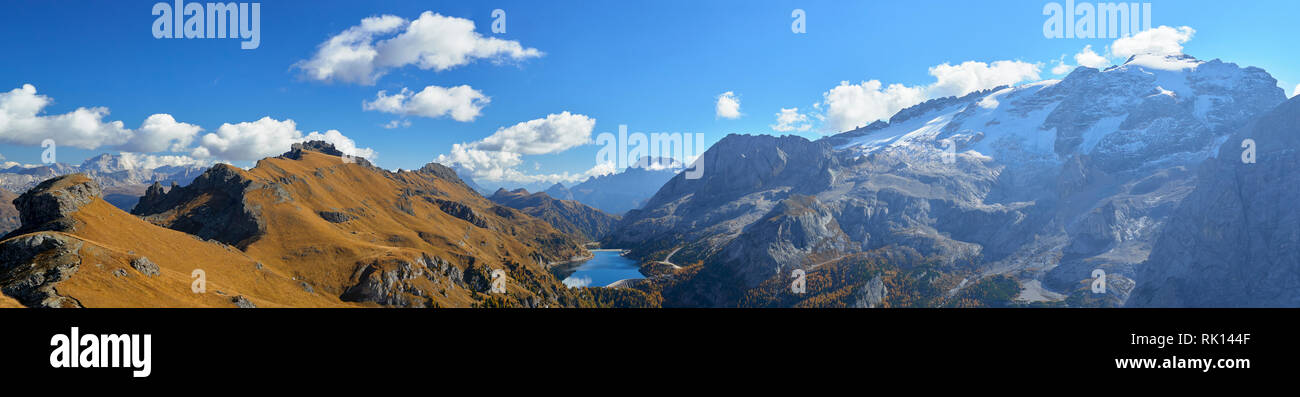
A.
x: 497, y: 157
x: 264, y: 138
x: 342, y: 143
x: 555, y: 133
x: 971, y: 76
x: 432, y: 41
x: 728, y: 106
x: 397, y: 124
x: 789, y: 119
x: 1061, y: 67
x: 131, y: 160
x: 161, y: 132
x: 1296, y: 91
x: 1160, y: 41
x: 1088, y: 57
x: 22, y: 122
x: 461, y: 103
x: 849, y: 106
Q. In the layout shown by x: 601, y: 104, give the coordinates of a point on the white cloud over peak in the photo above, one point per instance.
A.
x: 1061, y: 67
x: 497, y: 157
x: 1088, y: 57
x: 1160, y: 41
x: 789, y: 119
x: 364, y: 53
x: 253, y: 140
x: 130, y: 160
x: 728, y: 106
x: 849, y: 106
x: 462, y: 103
x: 160, y: 133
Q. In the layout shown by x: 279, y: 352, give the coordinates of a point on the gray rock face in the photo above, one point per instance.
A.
x: 32, y: 281
x: 223, y: 214
x: 795, y: 228
x: 1235, y: 240
x: 872, y: 294
x: 398, y: 282
x: 48, y: 205
x: 243, y: 303
x: 145, y: 266
x: 335, y: 216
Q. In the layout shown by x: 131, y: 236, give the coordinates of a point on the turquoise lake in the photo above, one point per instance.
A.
x: 604, y: 268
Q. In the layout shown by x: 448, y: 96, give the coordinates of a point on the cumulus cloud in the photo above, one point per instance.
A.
x: 728, y: 106
x: 497, y: 157
x: 364, y: 53
x: 1088, y: 57
x: 848, y: 106
x: 253, y: 140
x: 1160, y: 41
x: 1296, y: 91
x: 461, y: 103
x: 789, y: 119
x: 23, y: 122
x: 161, y: 132
x: 130, y: 160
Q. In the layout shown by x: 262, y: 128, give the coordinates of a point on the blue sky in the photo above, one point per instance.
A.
x: 654, y: 66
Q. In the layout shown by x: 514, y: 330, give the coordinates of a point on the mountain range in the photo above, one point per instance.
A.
x: 1041, y: 184
x: 1169, y: 177
x: 307, y: 228
x: 122, y: 176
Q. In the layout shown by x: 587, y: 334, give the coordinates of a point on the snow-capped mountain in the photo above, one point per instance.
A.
x: 1126, y: 116
x: 123, y: 176
x: 1043, y: 182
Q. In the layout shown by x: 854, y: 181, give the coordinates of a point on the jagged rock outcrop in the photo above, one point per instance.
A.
x: 31, y: 265
x: 214, y: 206
x: 9, y: 219
x: 47, y: 206
x: 872, y: 294
x: 794, y: 229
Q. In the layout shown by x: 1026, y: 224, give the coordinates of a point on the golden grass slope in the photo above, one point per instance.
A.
x: 112, y: 239
x: 392, y: 226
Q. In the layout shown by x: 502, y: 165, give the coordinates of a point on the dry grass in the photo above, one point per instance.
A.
x: 395, y: 218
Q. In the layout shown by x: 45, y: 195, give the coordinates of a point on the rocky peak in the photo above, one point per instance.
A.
x: 295, y: 151
x: 48, y: 205
x: 224, y: 215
